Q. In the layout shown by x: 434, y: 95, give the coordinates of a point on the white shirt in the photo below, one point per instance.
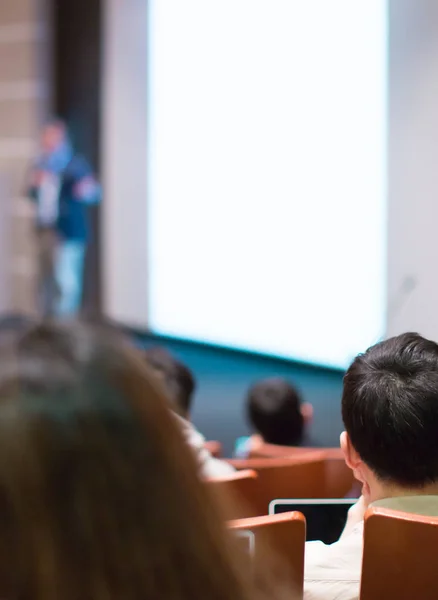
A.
x: 48, y: 199
x: 209, y: 467
x: 333, y: 572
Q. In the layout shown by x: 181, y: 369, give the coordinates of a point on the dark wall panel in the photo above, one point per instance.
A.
x: 77, y: 41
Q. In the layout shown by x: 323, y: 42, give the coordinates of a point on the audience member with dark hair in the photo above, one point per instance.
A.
x: 179, y: 385
x: 390, y: 413
x: 178, y: 380
x: 276, y: 414
x: 99, y: 495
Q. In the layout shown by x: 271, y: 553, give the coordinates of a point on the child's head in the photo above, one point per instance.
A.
x: 275, y: 411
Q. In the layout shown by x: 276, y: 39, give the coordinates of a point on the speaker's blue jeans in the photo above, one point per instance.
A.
x: 69, y: 272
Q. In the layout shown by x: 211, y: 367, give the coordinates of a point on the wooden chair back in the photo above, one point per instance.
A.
x: 237, y: 493
x: 214, y: 447
x: 297, y: 477
x: 400, y: 556
x: 281, y: 536
x: 275, y: 451
x: 338, y: 479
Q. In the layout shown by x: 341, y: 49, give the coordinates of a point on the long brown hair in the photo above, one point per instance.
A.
x: 99, y: 496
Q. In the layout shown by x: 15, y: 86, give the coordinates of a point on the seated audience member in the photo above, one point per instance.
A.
x: 99, y: 495
x: 277, y: 415
x: 177, y: 379
x: 179, y: 386
x: 390, y: 413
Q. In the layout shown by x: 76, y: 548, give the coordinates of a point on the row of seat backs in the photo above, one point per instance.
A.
x: 399, y: 561
x: 272, y: 450
x: 275, y: 451
x: 315, y: 475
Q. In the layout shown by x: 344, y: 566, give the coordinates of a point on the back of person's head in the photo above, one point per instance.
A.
x: 177, y: 379
x: 390, y: 411
x: 99, y: 495
x: 275, y: 411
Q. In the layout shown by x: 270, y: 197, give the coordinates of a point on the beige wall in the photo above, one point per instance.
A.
x: 413, y: 171
x: 124, y: 126
x: 24, y: 94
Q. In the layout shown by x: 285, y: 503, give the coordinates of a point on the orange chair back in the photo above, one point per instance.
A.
x: 215, y: 448
x: 400, y: 556
x: 237, y: 493
x: 339, y: 479
x: 337, y: 482
x: 298, y: 477
x: 283, y: 535
x: 274, y: 451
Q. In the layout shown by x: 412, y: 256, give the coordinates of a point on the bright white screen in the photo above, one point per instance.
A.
x: 267, y: 174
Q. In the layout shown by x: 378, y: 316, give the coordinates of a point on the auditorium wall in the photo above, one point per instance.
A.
x: 24, y: 103
x: 124, y: 160
x: 413, y: 168
x: 412, y: 214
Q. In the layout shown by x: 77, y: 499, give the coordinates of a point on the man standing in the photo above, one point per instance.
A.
x: 63, y: 186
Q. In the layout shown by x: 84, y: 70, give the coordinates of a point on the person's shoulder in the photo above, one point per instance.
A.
x: 215, y: 468
x: 192, y: 436
x: 209, y: 466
